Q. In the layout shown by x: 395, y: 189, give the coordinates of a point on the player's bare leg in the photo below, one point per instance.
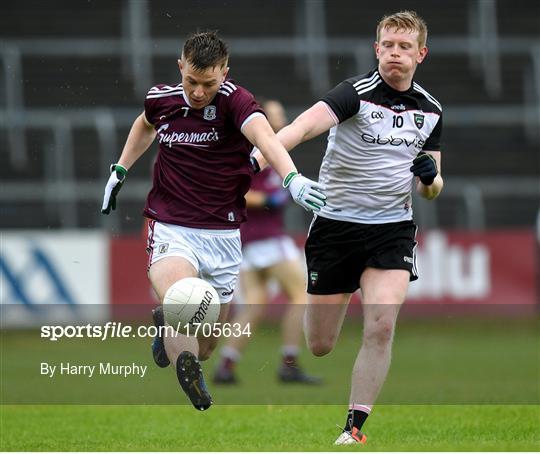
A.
x: 383, y: 292
x: 323, y: 321
x: 291, y: 279
x: 184, y: 352
x: 253, y: 287
x: 162, y: 275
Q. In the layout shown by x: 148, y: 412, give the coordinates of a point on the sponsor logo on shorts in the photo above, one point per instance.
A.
x: 313, y: 277
x: 407, y: 259
x: 163, y: 248
x: 227, y: 292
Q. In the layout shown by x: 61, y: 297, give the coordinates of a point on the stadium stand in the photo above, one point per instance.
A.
x: 74, y: 77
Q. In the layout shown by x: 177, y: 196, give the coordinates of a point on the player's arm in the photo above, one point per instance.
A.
x: 427, y: 170
x: 259, y: 132
x: 255, y: 199
x: 313, y: 122
x: 260, y: 199
x: 139, y: 139
x: 307, y: 193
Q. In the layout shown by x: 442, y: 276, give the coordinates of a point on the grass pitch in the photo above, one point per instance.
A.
x: 266, y: 428
x: 454, y: 385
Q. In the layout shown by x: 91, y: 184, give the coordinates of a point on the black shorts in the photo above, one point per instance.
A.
x: 338, y: 252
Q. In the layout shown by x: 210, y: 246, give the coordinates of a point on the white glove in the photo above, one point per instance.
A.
x: 116, y: 180
x: 305, y: 192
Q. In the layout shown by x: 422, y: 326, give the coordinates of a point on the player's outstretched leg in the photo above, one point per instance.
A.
x: 158, y: 346
x: 190, y: 377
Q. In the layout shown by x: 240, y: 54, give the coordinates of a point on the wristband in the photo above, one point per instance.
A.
x: 119, y: 168
x: 289, y: 178
x: 255, y: 165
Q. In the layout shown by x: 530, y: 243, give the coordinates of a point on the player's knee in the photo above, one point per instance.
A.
x: 321, y: 347
x: 379, y: 332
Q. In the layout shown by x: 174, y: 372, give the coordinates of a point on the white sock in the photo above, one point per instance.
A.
x: 230, y: 353
x: 290, y: 350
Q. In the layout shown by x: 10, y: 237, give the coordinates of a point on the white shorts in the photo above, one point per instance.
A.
x: 269, y: 252
x: 215, y: 254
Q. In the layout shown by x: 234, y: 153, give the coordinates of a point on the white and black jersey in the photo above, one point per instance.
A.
x: 378, y: 133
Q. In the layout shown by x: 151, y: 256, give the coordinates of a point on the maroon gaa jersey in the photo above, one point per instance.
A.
x: 202, y: 170
x: 264, y: 223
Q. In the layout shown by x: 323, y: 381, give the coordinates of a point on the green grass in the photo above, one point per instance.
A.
x: 266, y: 428
x: 454, y: 384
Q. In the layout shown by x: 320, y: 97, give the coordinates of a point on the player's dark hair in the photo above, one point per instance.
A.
x: 205, y: 50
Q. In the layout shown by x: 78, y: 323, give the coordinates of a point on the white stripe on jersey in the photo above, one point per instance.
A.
x: 366, y: 81
x: 162, y: 95
x: 251, y: 117
x: 427, y: 95
x: 227, y: 88
x: 164, y: 89
x: 370, y: 87
x: 229, y: 84
x: 223, y: 92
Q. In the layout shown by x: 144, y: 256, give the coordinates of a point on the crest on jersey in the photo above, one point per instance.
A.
x: 419, y: 120
x: 210, y: 112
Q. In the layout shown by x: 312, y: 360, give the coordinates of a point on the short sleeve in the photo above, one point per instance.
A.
x: 433, y: 142
x: 151, y: 105
x: 343, y: 100
x: 242, y: 105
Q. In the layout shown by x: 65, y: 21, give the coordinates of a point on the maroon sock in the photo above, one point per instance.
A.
x: 290, y: 360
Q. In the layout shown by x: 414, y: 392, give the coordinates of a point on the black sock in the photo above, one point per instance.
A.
x: 355, y: 418
x: 348, y: 422
x: 359, y: 418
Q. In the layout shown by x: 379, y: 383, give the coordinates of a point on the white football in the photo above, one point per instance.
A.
x: 190, y: 301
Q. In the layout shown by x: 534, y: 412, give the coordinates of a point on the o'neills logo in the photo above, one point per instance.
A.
x: 179, y: 138
x: 198, y: 317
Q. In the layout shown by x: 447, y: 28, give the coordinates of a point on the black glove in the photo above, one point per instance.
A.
x: 116, y: 180
x: 254, y: 165
x: 425, y: 167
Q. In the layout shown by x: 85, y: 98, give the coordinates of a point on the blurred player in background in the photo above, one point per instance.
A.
x: 269, y: 254
x: 384, y: 139
x: 206, y: 128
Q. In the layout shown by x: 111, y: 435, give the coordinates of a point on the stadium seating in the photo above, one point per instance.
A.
x: 66, y: 88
